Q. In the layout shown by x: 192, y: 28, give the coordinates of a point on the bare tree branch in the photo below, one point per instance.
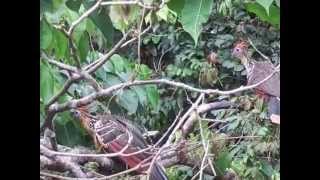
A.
x: 82, y: 17
x: 135, y: 38
x: 59, y: 64
x: 106, y: 57
x: 74, y: 168
x: 136, y: 2
x: 189, y: 124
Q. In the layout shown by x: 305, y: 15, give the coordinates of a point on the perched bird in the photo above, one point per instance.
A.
x: 258, y: 71
x: 113, y: 134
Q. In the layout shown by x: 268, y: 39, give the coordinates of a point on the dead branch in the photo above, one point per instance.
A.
x: 63, y: 162
x: 189, y: 124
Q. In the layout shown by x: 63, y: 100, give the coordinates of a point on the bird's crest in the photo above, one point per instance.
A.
x: 243, y: 44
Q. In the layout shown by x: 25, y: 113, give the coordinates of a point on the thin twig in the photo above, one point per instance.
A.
x: 59, y: 64
x: 184, y: 117
x: 108, y: 3
x: 62, y: 91
x: 197, y: 174
x: 255, y: 48
x: 169, y: 129
x: 106, y: 57
x: 135, y: 38
x: 204, y: 144
x: 139, y: 35
x: 83, y: 16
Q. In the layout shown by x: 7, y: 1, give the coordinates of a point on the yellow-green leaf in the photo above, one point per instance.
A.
x: 193, y: 15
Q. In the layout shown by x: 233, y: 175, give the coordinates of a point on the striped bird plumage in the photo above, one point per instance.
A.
x: 113, y: 134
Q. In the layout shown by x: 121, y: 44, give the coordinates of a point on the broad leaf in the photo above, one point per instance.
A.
x: 74, y: 5
x: 144, y: 72
x: 128, y: 99
x: 167, y: 15
x: 176, y: 5
x: 118, y: 63
x: 46, y: 82
x: 60, y: 44
x: 273, y: 17
x: 49, y: 84
x: 123, y: 17
x: 266, y: 169
x: 68, y: 132
x: 193, y: 15
x: 45, y: 5
x: 45, y: 34
x: 153, y: 96
x: 141, y: 93
x: 101, y: 19
x: 266, y: 4
x: 223, y: 161
x: 57, y: 4
x: 83, y: 46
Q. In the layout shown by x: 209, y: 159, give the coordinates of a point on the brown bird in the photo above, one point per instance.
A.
x: 113, y: 134
x: 258, y: 71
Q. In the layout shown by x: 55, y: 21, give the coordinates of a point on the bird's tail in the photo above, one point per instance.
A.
x: 158, y: 173
x: 273, y: 106
x: 274, y: 110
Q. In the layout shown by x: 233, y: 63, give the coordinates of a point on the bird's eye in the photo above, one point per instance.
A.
x: 237, y: 49
x: 76, y: 114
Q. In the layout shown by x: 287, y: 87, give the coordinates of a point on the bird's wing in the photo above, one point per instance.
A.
x: 115, y: 136
x: 261, y: 70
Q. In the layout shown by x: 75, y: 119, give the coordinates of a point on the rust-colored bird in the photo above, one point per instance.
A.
x: 113, y: 134
x: 258, y: 71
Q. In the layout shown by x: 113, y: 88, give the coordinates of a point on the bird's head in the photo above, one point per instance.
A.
x: 240, y: 50
x: 86, y: 118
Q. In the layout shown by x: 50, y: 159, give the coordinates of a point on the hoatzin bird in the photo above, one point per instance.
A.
x: 258, y: 71
x: 113, y: 133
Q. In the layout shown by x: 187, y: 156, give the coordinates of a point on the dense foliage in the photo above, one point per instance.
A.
x: 183, y: 34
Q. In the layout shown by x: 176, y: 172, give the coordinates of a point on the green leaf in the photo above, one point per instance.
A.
x: 128, y: 99
x: 45, y: 5
x: 83, y: 46
x: 74, y: 5
x: 262, y: 131
x: 46, y: 82
x: 223, y: 161
x: 266, y: 169
x: 278, y: 3
x: 165, y: 13
x: 266, y: 4
x: 61, y: 44
x: 101, y: 19
x: 123, y: 17
x: 57, y: 4
x: 144, y: 72
x: 112, y: 80
x: 193, y: 15
x: 69, y: 133
x: 153, y: 96
x: 45, y: 34
x: 273, y: 17
x: 176, y: 5
x: 118, y: 63
x: 142, y: 94
x: 49, y: 83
